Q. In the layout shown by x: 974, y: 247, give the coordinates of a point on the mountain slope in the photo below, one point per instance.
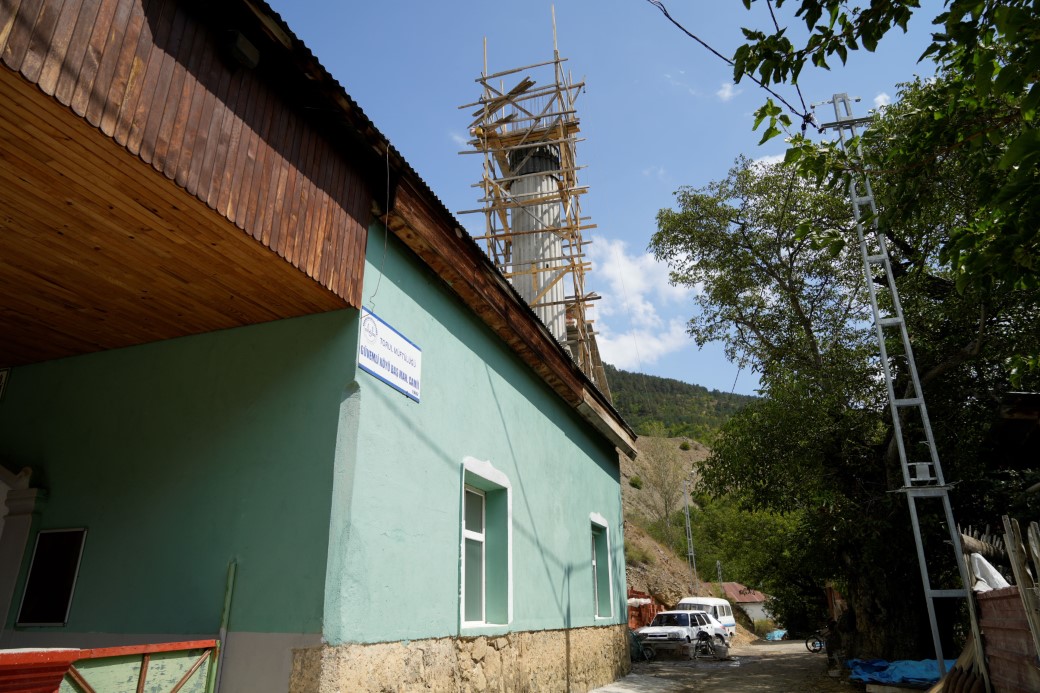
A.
x: 670, y: 408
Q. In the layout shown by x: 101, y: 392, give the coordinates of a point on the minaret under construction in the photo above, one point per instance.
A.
x: 527, y: 135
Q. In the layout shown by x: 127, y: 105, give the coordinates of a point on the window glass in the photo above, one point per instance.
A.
x: 600, y: 572
x: 474, y: 511
x: 485, y: 552
x: 474, y: 577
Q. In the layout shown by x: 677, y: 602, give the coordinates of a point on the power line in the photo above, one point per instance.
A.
x: 805, y: 114
x: 805, y: 109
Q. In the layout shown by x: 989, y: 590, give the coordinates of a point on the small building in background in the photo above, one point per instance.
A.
x: 752, y: 602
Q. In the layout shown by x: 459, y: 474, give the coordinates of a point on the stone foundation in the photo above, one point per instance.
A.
x: 575, y: 661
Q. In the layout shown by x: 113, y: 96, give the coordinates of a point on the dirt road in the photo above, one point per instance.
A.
x: 784, y: 667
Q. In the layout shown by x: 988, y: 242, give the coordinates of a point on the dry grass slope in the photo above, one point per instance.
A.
x: 662, y: 574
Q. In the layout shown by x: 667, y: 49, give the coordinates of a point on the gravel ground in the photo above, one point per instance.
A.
x: 784, y: 667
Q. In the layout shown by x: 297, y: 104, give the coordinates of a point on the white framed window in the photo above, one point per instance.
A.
x: 602, y: 585
x: 474, y: 574
x: 486, y: 557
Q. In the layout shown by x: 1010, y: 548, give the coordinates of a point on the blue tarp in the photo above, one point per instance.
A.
x: 922, y: 672
x: 776, y: 635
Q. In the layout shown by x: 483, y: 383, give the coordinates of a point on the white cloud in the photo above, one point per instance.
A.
x: 657, y: 172
x: 727, y: 91
x: 458, y: 139
x: 882, y: 99
x: 635, y: 318
x: 770, y: 159
x: 634, y: 287
x: 678, y: 83
x: 635, y: 349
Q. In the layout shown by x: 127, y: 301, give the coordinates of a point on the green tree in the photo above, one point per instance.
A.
x: 819, y: 445
x: 988, y: 53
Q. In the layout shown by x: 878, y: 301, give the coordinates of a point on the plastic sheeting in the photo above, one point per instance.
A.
x: 908, y: 671
x: 776, y: 635
x: 987, y: 576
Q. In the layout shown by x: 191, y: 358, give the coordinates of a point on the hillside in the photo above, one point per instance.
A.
x: 662, y: 574
x: 651, y: 567
x: 666, y: 407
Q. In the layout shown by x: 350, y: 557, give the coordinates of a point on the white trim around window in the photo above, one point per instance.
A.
x: 599, y: 526
x: 495, y: 539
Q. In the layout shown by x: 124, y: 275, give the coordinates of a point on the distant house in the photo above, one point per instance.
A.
x: 751, y: 601
x: 264, y: 388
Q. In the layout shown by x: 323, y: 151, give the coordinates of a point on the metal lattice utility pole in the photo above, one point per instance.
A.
x: 690, y: 558
x: 922, y: 474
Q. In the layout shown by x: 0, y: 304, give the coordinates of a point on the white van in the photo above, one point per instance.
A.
x: 719, y: 608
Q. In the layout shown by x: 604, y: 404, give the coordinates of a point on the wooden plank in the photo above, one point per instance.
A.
x: 286, y: 188
x: 9, y: 11
x: 92, y: 57
x: 21, y: 33
x: 208, y: 132
x: 237, y: 149
x: 304, y: 195
x: 135, y: 79
x: 258, y: 147
x: 142, y: 677
x: 352, y: 214
x: 271, y: 163
x: 70, y: 66
x: 322, y: 221
x: 39, y: 41
x: 97, y: 97
x: 221, y: 144
x: 59, y: 44
x: 150, y: 75
x: 178, y: 100
x: 251, y: 193
x: 307, y: 234
x: 281, y: 142
x: 160, y: 97
x: 122, y: 70
x: 362, y: 198
x: 57, y: 154
x: 195, y: 91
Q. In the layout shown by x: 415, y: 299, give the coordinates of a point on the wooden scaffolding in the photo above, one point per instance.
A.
x: 527, y: 136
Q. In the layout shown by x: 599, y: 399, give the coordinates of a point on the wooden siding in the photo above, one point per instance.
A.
x: 1008, y: 644
x: 99, y: 251
x: 149, y: 75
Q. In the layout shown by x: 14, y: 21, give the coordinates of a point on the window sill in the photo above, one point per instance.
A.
x: 474, y: 629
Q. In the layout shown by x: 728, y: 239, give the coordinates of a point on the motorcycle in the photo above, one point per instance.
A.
x: 707, y: 646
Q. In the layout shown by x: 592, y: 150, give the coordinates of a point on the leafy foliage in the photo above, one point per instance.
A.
x: 669, y: 408
x: 989, y: 56
x: 818, y: 448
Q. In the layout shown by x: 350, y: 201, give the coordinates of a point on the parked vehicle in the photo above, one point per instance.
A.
x: 719, y: 608
x: 673, y: 630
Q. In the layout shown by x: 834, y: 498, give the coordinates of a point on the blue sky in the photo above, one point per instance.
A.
x: 659, y: 112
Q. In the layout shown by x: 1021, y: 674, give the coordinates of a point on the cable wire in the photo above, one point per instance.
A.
x: 805, y: 115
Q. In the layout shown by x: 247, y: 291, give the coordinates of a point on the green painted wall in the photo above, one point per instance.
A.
x: 181, y: 455
x: 394, y: 556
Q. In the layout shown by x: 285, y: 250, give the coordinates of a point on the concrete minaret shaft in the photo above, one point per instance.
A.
x: 527, y: 136
x: 539, y: 265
